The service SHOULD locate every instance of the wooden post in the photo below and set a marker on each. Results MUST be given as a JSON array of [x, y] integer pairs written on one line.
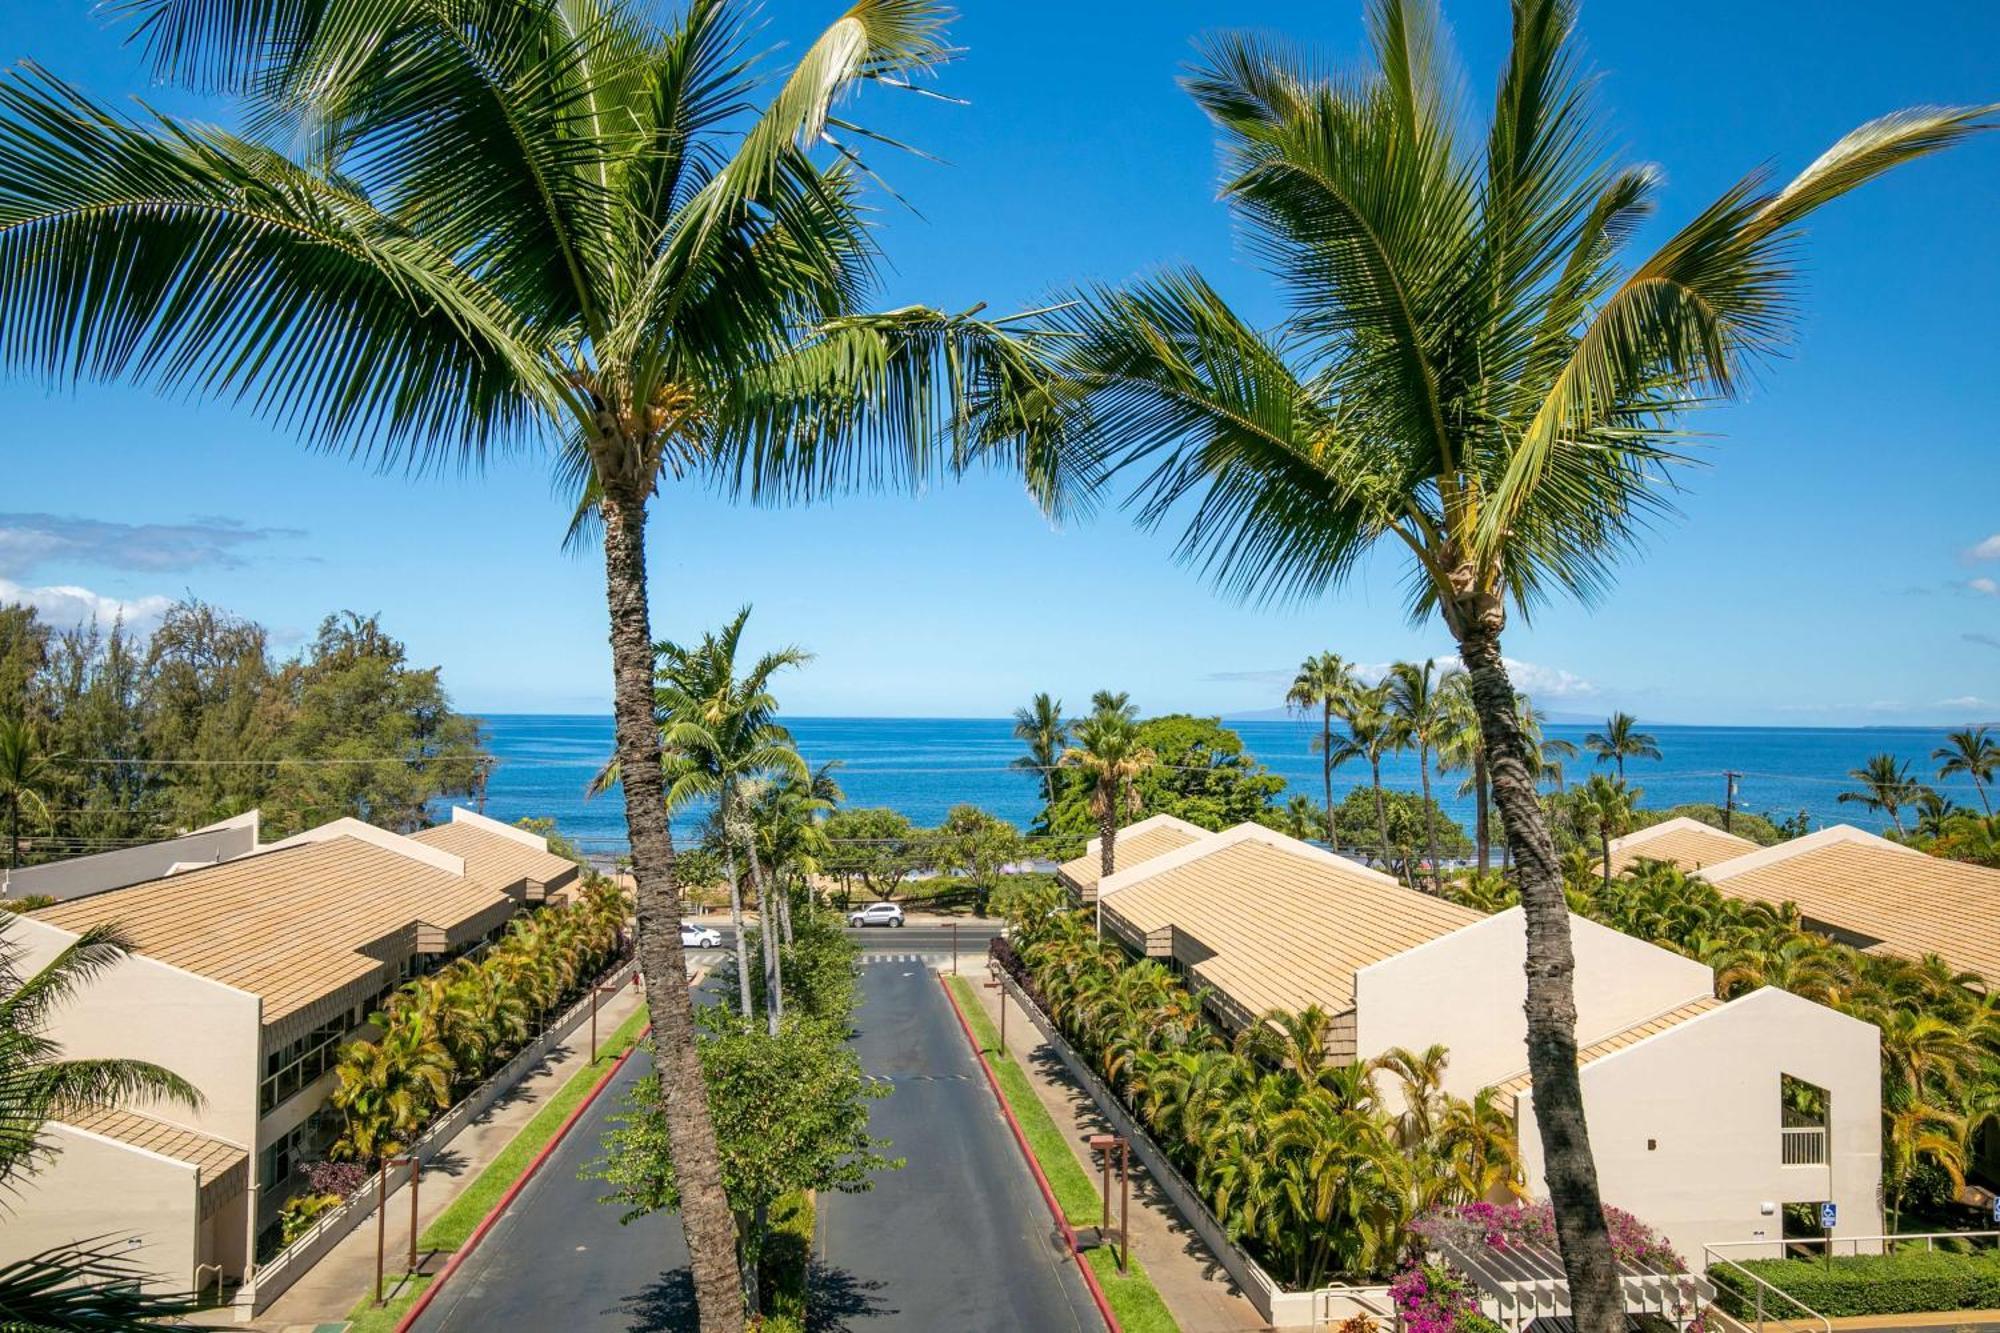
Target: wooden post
[[1124, 1206], [1102, 1144], [593, 1024], [416, 1174], [954, 948], [381, 1224]]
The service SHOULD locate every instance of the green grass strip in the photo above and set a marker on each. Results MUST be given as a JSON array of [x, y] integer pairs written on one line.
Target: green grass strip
[[455, 1225], [1133, 1298]]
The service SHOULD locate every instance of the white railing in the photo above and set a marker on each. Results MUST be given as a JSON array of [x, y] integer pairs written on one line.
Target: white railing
[[1802, 1146], [1712, 1260], [1855, 1245]]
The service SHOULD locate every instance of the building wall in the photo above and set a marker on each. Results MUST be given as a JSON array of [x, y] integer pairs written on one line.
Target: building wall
[[1685, 1125], [95, 1187], [80, 875], [1467, 990]]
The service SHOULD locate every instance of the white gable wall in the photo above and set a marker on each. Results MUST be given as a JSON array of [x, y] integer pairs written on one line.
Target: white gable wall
[[1467, 990], [1704, 1095]]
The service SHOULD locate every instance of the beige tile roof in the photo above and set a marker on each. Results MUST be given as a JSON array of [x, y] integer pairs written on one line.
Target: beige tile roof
[[1857, 884], [316, 922], [223, 1166], [1687, 843], [1618, 1041], [496, 860], [1084, 872], [1275, 927]]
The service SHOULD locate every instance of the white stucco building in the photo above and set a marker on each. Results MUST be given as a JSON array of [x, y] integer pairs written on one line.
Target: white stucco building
[[1684, 1094]]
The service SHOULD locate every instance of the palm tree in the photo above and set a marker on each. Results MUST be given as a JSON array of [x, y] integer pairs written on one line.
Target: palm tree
[[1971, 752], [1114, 701], [1465, 372], [1620, 740], [1886, 785], [36, 1083], [1608, 804], [577, 225], [1041, 727], [1323, 681], [1461, 746], [1108, 752], [1421, 713], [1372, 733], [26, 776], [387, 1089]]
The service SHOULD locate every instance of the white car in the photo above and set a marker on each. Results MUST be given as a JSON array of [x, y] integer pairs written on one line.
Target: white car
[[699, 937], [877, 914]]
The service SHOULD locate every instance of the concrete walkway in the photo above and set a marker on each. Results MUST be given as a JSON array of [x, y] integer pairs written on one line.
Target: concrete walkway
[[337, 1283], [1194, 1286]]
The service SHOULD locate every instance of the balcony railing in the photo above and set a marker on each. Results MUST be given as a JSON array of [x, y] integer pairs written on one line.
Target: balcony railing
[[1802, 1146]]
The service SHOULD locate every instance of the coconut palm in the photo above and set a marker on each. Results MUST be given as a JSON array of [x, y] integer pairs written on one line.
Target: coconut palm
[[1620, 740], [582, 226], [388, 1089], [1106, 749], [1114, 701], [1886, 785], [1461, 746], [1418, 704], [37, 1084], [1607, 804], [27, 776], [1372, 734], [1323, 682], [1041, 727], [1974, 753], [1465, 372]]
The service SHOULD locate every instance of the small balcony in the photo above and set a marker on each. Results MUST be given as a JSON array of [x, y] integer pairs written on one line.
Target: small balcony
[[1802, 1145]]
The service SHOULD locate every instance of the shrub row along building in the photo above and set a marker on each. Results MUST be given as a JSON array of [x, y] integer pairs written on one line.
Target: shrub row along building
[[248, 973], [1706, 1118]]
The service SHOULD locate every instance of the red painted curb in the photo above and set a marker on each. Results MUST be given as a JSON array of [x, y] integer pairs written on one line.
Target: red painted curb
[[411, 1315], [1021, 1141]]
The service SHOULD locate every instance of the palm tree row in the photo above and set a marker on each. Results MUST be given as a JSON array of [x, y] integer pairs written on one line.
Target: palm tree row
[[1296, 1154], [439, 1035]]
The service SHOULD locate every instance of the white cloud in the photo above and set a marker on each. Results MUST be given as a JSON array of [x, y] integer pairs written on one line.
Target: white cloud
[[1543, 682], [1964, 701], [1984, 586], [1986, 550], [66, 606], [29, 540]]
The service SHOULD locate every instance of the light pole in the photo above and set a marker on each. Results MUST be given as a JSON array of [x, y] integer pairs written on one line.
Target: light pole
[[596, 991], [416, 1174]]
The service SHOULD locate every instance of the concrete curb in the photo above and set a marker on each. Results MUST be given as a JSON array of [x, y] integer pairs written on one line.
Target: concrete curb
[[1021, 1142]]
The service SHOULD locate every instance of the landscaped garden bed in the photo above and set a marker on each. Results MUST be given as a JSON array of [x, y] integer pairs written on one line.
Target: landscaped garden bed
[[1907, 1282]]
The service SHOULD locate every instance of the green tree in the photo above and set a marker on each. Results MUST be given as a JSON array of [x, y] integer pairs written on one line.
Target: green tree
[[1606, 806], [1465, 372], [1323, 683], [1620, 740], [1108, 752], [590, 227], [977, 845], [27, 774], [1886, 785], [1042, 728], [1974, 753], [1410, 824], [873, 844], [1421, 711], [1372, 734]]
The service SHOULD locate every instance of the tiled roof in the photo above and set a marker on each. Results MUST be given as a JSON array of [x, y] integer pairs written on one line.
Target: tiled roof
[[496, 860], [1274, 924], [1890, 898], [1687, 843], [218, 1162], [1618, 1041], [317, 921], [1139, 843]]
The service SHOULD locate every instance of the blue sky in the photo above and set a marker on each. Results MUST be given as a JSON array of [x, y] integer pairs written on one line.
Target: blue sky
[[1827, 569]]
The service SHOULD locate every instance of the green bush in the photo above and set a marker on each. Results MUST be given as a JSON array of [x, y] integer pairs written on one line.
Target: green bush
[[1908, 1282], [781, 1268]]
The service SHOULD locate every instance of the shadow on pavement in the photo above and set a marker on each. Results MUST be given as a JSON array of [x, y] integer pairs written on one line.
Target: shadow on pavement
[[667, 1304], [837, 1296]]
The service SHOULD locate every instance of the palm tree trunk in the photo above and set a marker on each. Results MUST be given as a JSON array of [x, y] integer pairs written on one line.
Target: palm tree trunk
[[13, 833], [1571, 1172], [1381, 811], [1430, 820], [1481, 831], [767, 936], [1107, 836], [1326, 770], [706, 1220], [1604, 845], [785, 911], [736, 924]]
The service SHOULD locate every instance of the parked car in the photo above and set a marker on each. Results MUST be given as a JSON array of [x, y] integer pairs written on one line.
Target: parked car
[[877, 914], [700, 937]]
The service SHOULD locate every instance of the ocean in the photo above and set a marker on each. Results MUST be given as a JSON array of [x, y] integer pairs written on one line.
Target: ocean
[[924, 766]]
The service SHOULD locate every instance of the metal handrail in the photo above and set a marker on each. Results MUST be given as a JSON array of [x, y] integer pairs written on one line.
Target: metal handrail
[[1712, 1259], [1929, 1238]]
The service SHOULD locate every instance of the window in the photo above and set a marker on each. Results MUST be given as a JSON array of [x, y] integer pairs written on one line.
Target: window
[[292, 1066], [281, 1158], [1804, 1115]]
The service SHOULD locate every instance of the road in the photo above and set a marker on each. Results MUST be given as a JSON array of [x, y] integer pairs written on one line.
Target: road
[[957, 1239], [960, 1237], [924, 938]]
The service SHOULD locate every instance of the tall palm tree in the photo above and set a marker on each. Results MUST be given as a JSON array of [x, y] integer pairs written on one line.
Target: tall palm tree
[[1420, 709], [1372, 733], [1620, 740], [1607, 803], [1465, 372], [1042, 728], [1323, 681], [575, 224], [1974, 753], [1114, 701], [27, 775], [1106, 749], [1461, 746], [1886, 785]]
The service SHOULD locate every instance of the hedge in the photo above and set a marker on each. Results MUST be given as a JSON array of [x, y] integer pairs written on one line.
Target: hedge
[[1907, 1282]]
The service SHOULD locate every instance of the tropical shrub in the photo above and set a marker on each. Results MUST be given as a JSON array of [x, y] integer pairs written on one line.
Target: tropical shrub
[[301, 1211], [1437, 1298], [1906, 1282]]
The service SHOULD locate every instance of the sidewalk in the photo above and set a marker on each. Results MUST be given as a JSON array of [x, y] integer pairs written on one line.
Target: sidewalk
[[337, 1283], [1186, 1274]]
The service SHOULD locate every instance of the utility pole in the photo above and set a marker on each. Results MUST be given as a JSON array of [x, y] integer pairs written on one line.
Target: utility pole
[[1729, 776]]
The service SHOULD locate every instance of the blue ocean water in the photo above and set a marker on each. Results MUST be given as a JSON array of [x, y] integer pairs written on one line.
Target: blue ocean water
[[924, 766]]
